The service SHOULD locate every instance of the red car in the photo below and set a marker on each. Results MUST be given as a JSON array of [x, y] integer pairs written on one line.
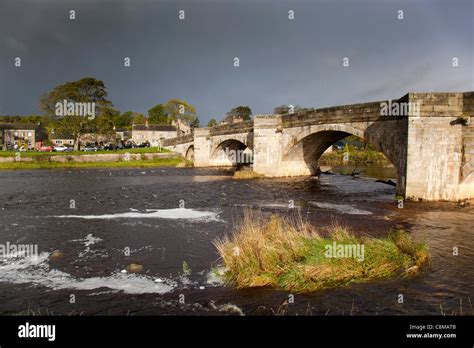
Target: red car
[[45, 148]]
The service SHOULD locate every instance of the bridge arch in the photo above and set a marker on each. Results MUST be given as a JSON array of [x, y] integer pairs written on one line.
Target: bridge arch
[[189, 154], [309, 144], [231, 152]]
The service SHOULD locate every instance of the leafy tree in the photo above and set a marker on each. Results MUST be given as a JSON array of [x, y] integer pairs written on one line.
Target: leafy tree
[[138, 118], [243, 112], [24, 119], [109, 112], [212, 122], [158, 115], [73, 125], [124, 120], [103, 125], [86, 90], [11, 119], [195, 123], [177, 109]]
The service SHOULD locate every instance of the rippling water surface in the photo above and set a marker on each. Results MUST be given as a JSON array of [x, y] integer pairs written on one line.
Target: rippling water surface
[[163, 217]]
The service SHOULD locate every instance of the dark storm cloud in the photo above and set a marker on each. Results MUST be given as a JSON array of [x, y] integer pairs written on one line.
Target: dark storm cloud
[[282, 61]]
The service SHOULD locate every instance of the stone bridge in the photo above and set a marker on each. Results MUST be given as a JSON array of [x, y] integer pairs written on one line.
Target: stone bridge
[[429, 138]]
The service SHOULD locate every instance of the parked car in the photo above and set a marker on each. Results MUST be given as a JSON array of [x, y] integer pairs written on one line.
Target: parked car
[[69, 149], [143, 145], [60, 148], [129, 145], [23, 148], [46, 148], [109, 147], [90, 148]]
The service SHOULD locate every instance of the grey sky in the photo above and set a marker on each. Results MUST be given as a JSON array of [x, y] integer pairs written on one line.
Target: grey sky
[[282, 61]]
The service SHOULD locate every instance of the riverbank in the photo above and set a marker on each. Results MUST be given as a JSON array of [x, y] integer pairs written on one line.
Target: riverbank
[[13, 154], [295, 256], [169, 161], [138, 157]]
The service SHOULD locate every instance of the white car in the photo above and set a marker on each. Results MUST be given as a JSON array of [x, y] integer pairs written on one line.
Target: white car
[[60, 148]]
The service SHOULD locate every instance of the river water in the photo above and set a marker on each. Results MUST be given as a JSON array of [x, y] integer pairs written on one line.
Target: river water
[[104, 219]]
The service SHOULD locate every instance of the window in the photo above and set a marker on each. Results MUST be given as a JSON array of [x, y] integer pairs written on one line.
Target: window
[[29, 134]]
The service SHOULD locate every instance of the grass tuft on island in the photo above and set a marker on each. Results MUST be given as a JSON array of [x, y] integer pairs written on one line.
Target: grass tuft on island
[[292, 255], [157, 162], [246, 174]]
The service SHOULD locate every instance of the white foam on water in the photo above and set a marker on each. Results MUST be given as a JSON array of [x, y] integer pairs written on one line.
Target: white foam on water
[[342, 208], [88, 241], [172, 214], [35, 270]]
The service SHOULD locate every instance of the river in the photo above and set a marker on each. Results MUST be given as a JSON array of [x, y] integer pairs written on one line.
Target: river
[[104, 219]]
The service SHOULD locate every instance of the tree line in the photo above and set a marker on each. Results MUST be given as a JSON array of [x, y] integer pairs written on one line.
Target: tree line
[[107, 118]]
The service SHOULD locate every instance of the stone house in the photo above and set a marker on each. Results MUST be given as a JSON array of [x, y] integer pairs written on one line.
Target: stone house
[[152, 133], [15, 135], [181, 127], [62, 139], [122, 134]]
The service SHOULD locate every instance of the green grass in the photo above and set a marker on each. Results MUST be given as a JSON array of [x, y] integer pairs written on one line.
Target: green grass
[[291, 255], [158, 162], [336, 157], [36, 153]]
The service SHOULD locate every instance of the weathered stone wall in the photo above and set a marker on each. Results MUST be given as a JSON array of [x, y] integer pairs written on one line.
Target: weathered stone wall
[[231, 128], [201, 147], [188, 138], [436, 140], [209, 149], [467, 171], [183, 149]]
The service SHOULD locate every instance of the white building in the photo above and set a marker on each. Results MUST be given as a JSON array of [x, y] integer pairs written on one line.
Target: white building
[[152, 133]]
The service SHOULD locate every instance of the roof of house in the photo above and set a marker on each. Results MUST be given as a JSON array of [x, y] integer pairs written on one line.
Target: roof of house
[[61, 136], [154, 127]]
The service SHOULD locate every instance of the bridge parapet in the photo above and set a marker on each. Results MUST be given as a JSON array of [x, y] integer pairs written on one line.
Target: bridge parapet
[[188, 138], [231, 128], [365, 112]]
